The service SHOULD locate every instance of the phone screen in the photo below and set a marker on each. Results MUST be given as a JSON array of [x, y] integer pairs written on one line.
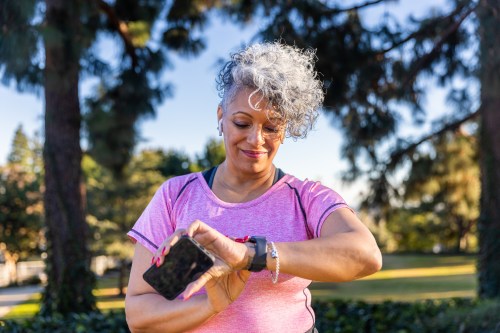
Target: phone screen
[[186, 262]]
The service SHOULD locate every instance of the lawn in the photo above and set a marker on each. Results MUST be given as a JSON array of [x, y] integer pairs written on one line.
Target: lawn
[[409, 278], [403, 278]]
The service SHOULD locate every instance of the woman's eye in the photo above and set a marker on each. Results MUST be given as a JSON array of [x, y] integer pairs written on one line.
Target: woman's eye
[[271, 129], [240, 125]]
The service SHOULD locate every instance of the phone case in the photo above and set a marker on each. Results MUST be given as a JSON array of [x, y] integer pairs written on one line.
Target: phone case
[[185, 263]]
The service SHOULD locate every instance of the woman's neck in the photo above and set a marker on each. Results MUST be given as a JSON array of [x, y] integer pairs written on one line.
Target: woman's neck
[[230, 186]]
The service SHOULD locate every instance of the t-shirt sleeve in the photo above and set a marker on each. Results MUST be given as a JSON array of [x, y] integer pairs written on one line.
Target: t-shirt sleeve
[[319, 202], [155, 223]]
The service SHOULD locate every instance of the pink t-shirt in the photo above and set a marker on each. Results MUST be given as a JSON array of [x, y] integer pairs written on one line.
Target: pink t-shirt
[[291, 210]]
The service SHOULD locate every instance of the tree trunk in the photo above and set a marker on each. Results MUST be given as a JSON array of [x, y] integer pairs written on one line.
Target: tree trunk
[[489, 220], [121, 278], [70, 280], [460, 234]]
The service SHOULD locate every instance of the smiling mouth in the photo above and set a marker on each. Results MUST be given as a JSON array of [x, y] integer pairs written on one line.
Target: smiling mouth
[[254, 154]]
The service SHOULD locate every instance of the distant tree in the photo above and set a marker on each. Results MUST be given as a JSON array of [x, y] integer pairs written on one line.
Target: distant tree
[[21, 202], [174, 163], [51, 46], [214, 153], [114, 207], [444, 184], [371, 70]]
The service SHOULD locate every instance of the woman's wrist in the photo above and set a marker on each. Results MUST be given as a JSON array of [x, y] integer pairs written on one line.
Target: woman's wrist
[[246, 261]]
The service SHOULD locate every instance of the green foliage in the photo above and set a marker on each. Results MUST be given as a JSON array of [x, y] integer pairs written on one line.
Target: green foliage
[[112, 115], [455, 315], [443, 191], [93, 322], [414, 230], [21, 211], [19, 49], [114, 205], [174, 163], [21, 200], [213, 154]]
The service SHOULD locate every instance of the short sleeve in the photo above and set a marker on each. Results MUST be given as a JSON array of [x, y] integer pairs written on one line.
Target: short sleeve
[[155, 223], [319, 202]]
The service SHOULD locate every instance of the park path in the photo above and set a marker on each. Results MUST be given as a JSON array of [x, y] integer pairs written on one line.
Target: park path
[[10, 297]]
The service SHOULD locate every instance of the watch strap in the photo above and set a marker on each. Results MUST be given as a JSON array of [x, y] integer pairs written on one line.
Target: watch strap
[[259, 261]]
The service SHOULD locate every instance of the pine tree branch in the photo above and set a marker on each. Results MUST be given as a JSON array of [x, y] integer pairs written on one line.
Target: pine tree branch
[[417, 33], [333, 11], [122, 29], [398, 155], [438, 45], [357, 7]]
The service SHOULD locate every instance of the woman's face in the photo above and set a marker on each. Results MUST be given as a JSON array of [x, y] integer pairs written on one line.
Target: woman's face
[[251, 137]]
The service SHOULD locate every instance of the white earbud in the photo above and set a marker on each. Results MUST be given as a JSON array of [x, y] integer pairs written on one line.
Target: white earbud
[[220, 127]]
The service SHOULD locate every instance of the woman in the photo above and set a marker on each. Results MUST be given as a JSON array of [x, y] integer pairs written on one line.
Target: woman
[[305, 230]]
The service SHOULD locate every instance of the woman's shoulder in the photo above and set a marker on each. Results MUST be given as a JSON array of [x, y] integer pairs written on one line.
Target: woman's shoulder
[[314, 191], [304, 184], [176, 183]]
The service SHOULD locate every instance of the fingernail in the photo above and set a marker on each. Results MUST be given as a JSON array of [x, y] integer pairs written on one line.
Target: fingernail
[[163, 250], [158, 262], [152, 260]]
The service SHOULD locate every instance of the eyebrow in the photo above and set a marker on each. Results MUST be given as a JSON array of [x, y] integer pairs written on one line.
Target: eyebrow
[[250, 116]]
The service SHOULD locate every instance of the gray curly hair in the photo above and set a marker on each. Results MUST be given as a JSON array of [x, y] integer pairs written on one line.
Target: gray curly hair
[[282, 74]]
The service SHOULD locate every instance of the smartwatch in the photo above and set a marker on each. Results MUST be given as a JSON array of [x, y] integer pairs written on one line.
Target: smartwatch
[[259, 261]]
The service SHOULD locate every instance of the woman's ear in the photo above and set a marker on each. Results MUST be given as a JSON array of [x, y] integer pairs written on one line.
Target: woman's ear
[[220, 112]]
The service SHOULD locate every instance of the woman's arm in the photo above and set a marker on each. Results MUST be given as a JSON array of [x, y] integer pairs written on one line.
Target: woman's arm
[[345, 251], [147, 311]]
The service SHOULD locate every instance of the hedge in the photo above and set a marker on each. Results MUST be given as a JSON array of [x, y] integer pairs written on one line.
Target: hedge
[[432, 316]]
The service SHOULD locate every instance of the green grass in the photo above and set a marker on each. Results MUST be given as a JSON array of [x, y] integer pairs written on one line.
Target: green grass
[[106, 295], [403, 278], [408, 278]]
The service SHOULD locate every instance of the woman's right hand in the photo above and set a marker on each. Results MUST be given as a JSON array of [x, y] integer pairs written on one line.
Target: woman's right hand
[[224, 290]]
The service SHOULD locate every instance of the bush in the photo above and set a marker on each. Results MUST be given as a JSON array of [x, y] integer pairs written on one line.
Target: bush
[[95, 322], [430, 316], [484, 317]]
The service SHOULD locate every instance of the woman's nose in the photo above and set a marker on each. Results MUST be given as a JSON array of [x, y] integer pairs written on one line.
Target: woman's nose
[[256, 136]]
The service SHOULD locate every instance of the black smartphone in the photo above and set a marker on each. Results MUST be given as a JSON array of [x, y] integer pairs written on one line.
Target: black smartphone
[[185, 263]]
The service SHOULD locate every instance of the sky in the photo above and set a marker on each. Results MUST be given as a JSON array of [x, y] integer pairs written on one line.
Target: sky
[[188, 120]]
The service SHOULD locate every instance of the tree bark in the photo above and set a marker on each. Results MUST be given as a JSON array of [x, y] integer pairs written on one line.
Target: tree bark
[[70, 280], [489, 220], [122, 276]]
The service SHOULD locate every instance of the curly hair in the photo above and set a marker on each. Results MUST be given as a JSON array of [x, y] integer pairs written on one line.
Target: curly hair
[[284, 75]]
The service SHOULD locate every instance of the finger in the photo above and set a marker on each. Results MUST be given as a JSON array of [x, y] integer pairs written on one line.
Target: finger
[[165, 247], [195, 286], [195, 227], [206, 235]]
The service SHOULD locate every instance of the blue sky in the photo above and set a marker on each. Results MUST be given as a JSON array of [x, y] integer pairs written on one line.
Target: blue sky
[[186, 121]]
